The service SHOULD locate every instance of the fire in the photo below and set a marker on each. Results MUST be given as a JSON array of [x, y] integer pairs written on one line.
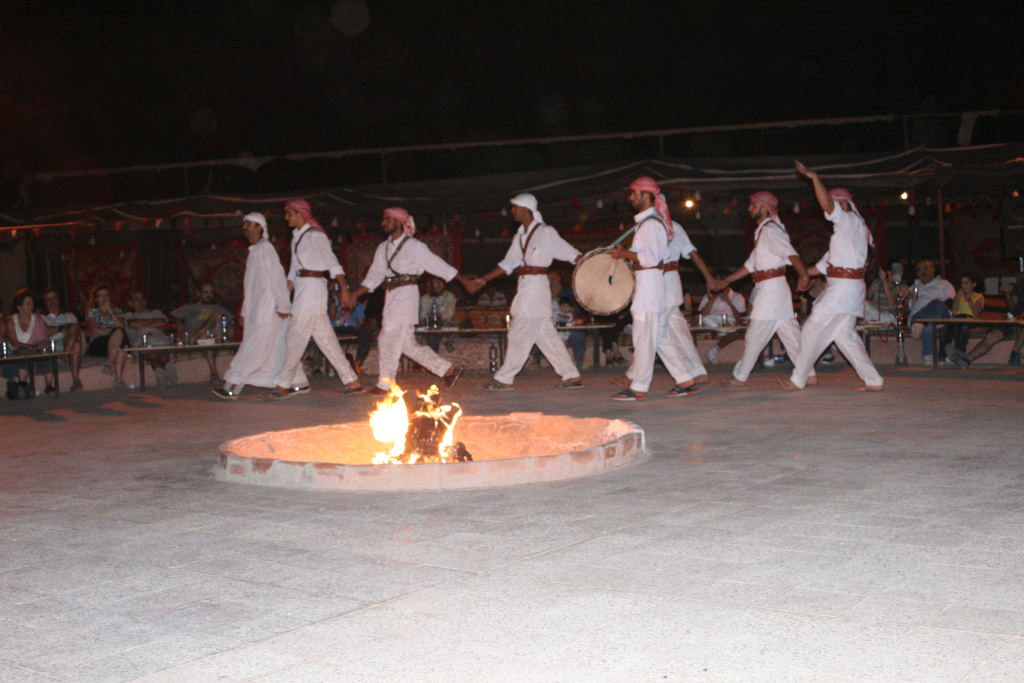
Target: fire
[[432, 437]]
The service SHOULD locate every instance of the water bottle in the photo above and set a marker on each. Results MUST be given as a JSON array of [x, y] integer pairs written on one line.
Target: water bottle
[[145, 338], [434, 321], [173, 339], [5, 349], [223, 328], [493, 355]]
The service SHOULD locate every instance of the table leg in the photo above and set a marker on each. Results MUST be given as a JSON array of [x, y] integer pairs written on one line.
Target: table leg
[[935, 346], [142, 371], [32, 377], [596, 334], [502, 343], [56, 377]]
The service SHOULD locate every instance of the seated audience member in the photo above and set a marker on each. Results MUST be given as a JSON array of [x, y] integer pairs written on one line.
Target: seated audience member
[[105, 335], [202, 319], [351, 321], [968, 303], [492, 297], [930, 297], [437, 295], [65, 332], [880, 304], [724, 307], [142, 319], [27, 333], [1014, 292]]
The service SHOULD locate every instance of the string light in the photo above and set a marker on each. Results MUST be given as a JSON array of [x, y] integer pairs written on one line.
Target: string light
[[689, 203], [904, 195]]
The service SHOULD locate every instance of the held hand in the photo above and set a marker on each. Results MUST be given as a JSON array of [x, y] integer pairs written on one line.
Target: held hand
[[803, 283], [618, 251], [282, 316]]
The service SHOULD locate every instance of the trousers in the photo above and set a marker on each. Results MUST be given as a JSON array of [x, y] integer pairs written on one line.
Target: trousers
[[300, 330], [759, 333], [396, 340], [523, 333], [820, 331]]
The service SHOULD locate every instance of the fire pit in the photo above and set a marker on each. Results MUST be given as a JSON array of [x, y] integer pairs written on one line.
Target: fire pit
[[503, 450]]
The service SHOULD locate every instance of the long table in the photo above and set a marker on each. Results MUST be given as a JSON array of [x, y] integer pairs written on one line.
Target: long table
[[972, 322], [501, 335], [32, 359]]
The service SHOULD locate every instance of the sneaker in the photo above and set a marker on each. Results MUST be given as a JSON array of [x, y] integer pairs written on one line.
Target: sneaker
[[275, 395], [453, 375], [77, 385], [569, 384], [495, 385], [628, 395], [1014, 358], [161, 377], [50, 390], [682, 391], [299, 390], [120, 384], [170, 374], [713, 355], [108, 369], [926, 361], [222, 393], [957, 356], [349, 391]]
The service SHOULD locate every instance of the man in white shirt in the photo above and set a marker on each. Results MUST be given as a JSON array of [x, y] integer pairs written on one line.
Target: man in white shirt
[[264, 313], [534, 246], [65, 332], [313, 262], [648, 252], [772, 312], [835, 313], [679, 335], [930, 296], [397, 264], [724, 307]]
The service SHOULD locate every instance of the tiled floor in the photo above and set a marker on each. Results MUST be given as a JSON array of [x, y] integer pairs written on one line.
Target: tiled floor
[[822, 536]]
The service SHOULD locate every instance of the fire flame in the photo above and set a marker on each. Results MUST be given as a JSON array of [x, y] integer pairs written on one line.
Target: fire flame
[[390, 423]]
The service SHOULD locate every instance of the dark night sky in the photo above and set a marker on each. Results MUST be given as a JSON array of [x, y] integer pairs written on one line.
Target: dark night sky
[[88, 84]]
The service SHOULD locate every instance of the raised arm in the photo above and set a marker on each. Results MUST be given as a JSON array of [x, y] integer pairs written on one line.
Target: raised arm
[[820, 193]]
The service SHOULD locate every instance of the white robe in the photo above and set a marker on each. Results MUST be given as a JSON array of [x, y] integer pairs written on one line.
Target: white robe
[[650, 316], [531, 307], [680, 341], [265, 294], [401, 305]]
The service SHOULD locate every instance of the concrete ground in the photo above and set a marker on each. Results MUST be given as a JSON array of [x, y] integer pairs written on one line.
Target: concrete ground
[[818, 536]]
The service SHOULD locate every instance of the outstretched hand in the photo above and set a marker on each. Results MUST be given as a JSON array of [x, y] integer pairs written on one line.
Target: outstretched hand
[[803, 170]]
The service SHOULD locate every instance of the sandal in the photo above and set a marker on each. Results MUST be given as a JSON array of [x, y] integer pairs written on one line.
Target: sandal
[[628, 395]]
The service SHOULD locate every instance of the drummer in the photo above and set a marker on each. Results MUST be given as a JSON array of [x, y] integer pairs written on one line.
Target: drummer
[[654, 231], [534, 246]]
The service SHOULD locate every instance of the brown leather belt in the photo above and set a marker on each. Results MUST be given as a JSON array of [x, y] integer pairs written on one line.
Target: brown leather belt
[[400, 281], [762, 275], [670, 266], [314, 273], [530, 270], [848, 273]]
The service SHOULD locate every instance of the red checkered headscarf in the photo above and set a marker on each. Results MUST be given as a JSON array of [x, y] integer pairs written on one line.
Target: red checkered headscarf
[[403, 217], [647, 184], [766, 200], [302, 207]]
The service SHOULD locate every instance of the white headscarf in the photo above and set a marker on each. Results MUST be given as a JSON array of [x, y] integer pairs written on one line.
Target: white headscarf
[[527, 201], [260, 219]]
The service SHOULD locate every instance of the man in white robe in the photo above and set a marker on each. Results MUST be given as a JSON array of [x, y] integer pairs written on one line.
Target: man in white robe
[[649, 251], [313, 263], [265, 308], [397, 264], [772, 312], [534, 247], [835, 313]]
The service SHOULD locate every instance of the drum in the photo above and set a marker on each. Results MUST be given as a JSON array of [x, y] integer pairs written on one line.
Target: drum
[[601, 284]]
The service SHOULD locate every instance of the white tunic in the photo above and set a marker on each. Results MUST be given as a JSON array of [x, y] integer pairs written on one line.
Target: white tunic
[[847, 248], [772, 249], [543, 245], [650, 243], [402, 304], [311, 250], [265, 294], [679, 246]]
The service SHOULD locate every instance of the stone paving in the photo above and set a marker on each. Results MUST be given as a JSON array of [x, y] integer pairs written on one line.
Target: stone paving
[[818, 536]]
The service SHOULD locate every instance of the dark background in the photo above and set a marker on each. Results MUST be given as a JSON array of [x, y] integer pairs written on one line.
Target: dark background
[[91, 84]]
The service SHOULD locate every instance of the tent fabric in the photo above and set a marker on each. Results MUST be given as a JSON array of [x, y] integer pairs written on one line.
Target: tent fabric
[[960, 172]]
